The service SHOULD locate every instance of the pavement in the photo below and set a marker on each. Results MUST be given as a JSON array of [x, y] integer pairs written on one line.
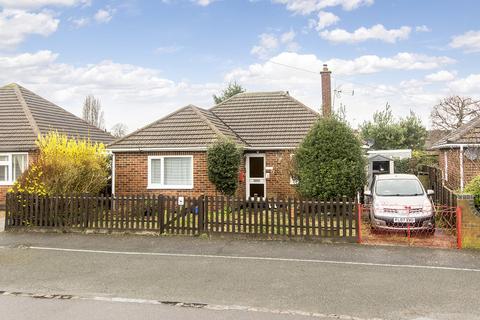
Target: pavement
[[77, 276]]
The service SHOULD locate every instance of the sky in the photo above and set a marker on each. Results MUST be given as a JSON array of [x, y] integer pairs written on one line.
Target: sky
[[145, 59]]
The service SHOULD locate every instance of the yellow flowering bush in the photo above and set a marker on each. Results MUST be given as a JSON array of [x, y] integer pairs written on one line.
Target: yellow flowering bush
[[66, 166]]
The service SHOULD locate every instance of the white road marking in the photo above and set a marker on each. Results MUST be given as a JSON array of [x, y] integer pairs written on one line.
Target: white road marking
[[252, 258], [213, 307]]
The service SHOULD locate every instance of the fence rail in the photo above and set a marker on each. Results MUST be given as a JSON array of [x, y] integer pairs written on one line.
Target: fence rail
[[334, 218]]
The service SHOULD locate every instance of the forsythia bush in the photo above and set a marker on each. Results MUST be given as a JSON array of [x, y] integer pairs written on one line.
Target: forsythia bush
[[64, 166]]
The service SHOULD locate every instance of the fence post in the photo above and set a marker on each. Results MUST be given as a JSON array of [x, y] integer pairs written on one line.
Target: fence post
[[459, 228], [201, 213], [7, 209], [359, 222]]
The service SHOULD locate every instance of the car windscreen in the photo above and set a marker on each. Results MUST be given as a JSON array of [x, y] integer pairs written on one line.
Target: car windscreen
[[398, 187]]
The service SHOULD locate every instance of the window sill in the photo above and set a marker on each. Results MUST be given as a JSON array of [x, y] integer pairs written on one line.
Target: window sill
[[6, 183], [160, 187]]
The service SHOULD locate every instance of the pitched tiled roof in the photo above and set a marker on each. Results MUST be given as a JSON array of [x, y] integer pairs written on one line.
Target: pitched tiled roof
[[189, 127], [255, 120], [267, 119], [24, 115], [469, 133]]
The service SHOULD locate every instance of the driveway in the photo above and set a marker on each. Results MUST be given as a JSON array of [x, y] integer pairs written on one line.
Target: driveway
[[254, 279]]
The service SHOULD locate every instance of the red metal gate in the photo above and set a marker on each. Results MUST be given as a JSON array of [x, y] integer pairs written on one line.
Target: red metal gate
[[405, 225]]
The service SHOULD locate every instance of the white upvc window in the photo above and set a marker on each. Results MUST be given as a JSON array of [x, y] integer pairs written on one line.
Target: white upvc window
[[12, 165], [170, 172]]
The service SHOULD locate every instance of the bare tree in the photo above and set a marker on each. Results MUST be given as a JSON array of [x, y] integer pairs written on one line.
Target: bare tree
[[454, 111], [92, 112], [119, 130]]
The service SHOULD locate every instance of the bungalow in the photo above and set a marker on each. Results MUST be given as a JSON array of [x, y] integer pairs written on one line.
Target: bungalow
[[169, 156], [459, 155], [23, 117]]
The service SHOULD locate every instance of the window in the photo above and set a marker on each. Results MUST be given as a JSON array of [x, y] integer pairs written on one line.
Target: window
[[170, 172], [12, 166], [400, 187]]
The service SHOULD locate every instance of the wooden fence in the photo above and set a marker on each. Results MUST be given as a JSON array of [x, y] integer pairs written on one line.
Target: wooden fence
[[287, 218], [443, 195]]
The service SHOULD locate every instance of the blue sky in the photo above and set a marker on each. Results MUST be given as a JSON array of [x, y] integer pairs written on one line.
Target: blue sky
[[144, 59]]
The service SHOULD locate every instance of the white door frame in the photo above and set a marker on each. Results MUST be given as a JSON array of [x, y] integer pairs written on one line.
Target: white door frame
[[255, 180]]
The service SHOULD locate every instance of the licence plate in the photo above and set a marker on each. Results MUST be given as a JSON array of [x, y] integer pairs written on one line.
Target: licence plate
[[404, 220]]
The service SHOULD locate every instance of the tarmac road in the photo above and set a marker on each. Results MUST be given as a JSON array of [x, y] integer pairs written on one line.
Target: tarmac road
[[253, 279]]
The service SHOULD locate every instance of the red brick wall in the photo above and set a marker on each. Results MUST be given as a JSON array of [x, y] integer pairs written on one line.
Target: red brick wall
[[131, 175], [471, 168], [32, 156], [278, 185]]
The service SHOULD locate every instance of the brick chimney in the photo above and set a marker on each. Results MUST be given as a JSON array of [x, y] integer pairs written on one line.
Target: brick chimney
[[326, 91]]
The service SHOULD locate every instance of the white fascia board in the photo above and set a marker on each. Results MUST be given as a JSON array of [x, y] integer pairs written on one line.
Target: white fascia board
[[456, 145]]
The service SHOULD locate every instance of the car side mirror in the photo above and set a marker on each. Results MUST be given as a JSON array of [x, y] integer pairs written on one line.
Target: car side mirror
[[430, 192], [368, 193]]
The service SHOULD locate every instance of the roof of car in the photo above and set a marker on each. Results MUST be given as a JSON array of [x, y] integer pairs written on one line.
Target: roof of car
[[395, 176]]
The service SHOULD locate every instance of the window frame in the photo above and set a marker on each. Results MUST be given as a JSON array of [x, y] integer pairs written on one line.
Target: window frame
[[161, 185], [9, 164]]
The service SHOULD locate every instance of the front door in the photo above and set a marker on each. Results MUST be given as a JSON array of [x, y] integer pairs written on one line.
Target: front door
[[255, 177]]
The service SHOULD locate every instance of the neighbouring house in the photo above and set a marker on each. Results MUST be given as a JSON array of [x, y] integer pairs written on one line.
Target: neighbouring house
[[459, 155], [169, 156], [23, 117]]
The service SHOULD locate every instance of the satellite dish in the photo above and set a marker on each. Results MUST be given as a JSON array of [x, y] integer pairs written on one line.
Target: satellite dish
[[370, 142], [472, 153]]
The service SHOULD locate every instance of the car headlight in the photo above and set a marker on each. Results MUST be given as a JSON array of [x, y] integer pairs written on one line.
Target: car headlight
[[427, 206]]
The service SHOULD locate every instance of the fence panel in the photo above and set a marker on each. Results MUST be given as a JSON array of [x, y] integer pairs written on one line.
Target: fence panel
[[334, 218]]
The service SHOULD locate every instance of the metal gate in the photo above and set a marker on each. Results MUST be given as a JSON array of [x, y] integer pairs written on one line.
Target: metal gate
[[406, 225]]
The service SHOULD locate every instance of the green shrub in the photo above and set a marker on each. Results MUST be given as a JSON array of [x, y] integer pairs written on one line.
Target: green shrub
[[330, 161], [473, 187], [223, 165]]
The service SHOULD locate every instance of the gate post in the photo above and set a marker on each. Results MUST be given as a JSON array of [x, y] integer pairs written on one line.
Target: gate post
[[459, 228], [359, 222]]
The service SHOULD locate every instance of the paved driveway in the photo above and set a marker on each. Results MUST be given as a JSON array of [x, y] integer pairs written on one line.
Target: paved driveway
[[269, 278]]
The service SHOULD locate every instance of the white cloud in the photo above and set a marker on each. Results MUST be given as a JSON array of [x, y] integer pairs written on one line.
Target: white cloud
[[325, 19], [27, 60], [35, 4], [104, 15], [271, 43], [469, 41], [16, 25], [129, 93], [268, 44], [80, 22], [440, 76], [309, 6], [469, 85], [366, 64], [377, 32], [422, 28], [203, 3], [288, 36]]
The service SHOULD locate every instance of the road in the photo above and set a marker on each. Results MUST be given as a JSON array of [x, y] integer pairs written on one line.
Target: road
[[110, 275]]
